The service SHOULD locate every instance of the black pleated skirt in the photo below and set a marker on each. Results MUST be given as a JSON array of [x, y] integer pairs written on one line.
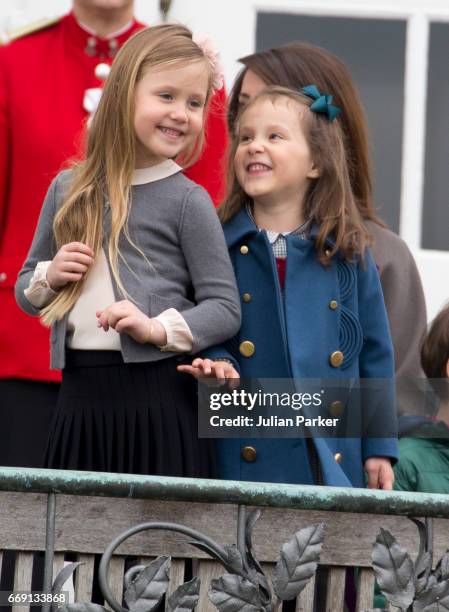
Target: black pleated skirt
[[138, 418]]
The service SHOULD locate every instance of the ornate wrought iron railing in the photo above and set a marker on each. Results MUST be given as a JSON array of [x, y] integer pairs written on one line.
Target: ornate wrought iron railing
[[82, 513]]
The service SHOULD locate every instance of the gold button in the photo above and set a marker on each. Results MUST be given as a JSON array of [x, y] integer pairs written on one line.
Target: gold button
[[249, 453], [247, 348], [336, 408], [244, 250], [333, 304], [336, 359], [246, 297], [338, 457]]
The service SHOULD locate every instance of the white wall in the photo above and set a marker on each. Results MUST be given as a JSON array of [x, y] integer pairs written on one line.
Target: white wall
[[231, 23]]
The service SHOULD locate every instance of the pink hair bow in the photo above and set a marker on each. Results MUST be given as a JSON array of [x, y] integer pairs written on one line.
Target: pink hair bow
[[207, 47]]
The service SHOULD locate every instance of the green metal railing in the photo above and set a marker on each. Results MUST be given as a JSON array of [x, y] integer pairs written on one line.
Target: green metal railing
[[52, 482], [224, 491]]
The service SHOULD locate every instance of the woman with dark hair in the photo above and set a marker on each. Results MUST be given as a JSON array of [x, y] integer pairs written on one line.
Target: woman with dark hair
[[300, 64]]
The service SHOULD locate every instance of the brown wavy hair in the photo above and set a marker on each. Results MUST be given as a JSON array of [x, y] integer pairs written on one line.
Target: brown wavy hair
[[329, 202], [435, 354], [107, 168], [297, 65]]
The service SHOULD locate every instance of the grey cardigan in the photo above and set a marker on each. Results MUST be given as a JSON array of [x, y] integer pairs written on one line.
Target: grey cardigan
[[173, 222]]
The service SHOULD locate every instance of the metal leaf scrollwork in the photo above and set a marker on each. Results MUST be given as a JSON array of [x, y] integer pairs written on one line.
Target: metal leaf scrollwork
[[63, 576], [243, 589], [149, 586], [246, 585], [185, 597], [411, 587], [394, 570], [230, 556], [59, 582], [232, 593], [423, 562], [442, 569], [298, 562], [255, 570], [248, 588], [433, 599], [234, 558]]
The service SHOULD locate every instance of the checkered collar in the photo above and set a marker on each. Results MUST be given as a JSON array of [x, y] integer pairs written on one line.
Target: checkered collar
[[302, 230]]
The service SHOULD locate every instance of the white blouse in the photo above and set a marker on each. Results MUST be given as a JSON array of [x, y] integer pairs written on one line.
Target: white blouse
[[97, 294]]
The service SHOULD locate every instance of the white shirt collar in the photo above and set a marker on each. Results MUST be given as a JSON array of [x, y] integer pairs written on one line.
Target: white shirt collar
[[167, 168], [115, 34], [273, 236]]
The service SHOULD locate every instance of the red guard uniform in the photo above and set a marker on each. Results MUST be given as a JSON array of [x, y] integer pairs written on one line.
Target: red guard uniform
[[43, 79]]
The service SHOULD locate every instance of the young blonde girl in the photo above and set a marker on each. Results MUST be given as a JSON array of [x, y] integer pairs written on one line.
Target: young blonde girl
[[312, 306], [129, 267]]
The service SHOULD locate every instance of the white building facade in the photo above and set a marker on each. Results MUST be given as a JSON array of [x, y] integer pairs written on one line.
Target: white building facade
[[398, 53]]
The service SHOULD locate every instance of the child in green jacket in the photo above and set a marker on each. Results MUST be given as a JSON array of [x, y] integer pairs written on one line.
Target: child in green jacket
[[424, 441]]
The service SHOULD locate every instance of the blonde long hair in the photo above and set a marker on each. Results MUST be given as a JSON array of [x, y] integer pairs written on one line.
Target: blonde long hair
[[329, 201], [106, 171]]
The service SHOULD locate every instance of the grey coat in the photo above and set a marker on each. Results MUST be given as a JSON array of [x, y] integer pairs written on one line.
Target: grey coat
[[173, 222], [406, 310]]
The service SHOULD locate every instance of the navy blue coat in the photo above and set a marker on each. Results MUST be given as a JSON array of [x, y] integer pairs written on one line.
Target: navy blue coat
[[323, 309]]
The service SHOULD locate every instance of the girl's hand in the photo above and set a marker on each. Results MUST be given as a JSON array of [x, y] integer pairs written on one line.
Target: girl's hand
[[69, 264], [206, 368], [126, 318], [380, 473]]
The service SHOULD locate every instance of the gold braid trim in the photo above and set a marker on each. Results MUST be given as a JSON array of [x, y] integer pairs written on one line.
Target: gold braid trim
[[29, 28]]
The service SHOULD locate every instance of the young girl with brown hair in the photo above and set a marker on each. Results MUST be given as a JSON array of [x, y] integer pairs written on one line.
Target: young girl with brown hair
[[120, 249], [296, 65], [312, 306]]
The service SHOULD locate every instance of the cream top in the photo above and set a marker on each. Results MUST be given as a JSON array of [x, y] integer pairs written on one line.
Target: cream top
[[97, 293]]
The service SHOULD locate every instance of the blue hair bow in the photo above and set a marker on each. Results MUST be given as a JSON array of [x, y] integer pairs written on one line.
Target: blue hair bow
[[323, 102]]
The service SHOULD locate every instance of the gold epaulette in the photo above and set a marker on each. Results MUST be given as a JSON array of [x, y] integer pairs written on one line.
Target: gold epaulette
[[29, 28]]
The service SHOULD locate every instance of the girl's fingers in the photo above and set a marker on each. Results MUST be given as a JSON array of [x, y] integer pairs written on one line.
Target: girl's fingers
[[73, 266], [220, 373], [387, 484], [104, 325], [78, 258], [196, 363], [386, 478], [123, 324], [232, 377], [373, 482], [232, 373], [79, 247], [112, 315], [233, 382], [117, 320], [71, 277], [207, 367], [188, 369], [103, 319]]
